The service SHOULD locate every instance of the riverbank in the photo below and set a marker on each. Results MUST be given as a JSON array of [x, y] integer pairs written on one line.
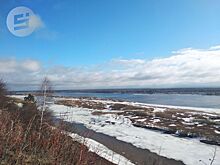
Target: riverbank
[[115, 119], [176, 121], [26, 139], [134, 154], [111, 118]]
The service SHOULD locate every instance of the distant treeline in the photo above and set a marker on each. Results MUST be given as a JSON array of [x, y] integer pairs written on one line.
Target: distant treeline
[[200, 91]]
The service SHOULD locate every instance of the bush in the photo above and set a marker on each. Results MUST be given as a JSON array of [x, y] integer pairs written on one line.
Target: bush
[[21, 143], [23, 140], [29, 98]]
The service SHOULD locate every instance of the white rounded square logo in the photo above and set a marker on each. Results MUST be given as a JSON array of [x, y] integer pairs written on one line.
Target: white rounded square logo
[[18, 21]]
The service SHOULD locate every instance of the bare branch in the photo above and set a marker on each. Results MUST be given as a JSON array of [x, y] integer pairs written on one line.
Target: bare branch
[[214, 155]]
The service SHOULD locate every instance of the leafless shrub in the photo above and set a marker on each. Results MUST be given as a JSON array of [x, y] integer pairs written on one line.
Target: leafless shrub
[[46, 91], [214, 155], [3, 98], [20, 143], [2, 89]]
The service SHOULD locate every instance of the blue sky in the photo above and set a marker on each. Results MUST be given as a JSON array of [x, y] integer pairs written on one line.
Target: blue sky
[[82, 33]]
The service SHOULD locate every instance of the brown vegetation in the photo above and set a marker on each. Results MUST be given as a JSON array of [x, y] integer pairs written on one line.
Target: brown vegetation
[[82, 104], [23, 141], [182, 123]]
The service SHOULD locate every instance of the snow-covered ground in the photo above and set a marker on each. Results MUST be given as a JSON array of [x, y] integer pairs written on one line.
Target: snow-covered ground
[[158, 107], [17, 96], [101, 150], [94, 146], [162, 107], [190, 151]]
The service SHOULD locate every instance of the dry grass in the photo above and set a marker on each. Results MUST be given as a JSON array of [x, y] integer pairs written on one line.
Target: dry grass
[[171, 121], [82, 104], [23, 141], [20, 142], [99, 113]]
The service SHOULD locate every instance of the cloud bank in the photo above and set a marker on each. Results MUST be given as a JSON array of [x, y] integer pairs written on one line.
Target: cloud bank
[[183, 68]]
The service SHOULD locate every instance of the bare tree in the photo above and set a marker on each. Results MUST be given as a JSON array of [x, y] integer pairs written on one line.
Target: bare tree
[[3, 92], [46, 92], [2, 88]]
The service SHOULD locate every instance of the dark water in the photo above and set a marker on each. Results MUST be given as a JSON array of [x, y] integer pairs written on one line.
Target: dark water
[[187, 100], [136, 155]]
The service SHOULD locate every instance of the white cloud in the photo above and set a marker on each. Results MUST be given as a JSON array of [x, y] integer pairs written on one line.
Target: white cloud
[[15, 66], [36, 22], [30, 65], [43, 32], [215, 47], [186, 67], [125, 62]]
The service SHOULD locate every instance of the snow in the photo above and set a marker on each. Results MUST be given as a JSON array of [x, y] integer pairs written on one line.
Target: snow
[[187, 119], [190, 151], [156, 120], [141, 120], [216, 131], [159, 109], [212, 110], [162, 107], [18, 96], [20, 105], [186, 123], [101, 150]]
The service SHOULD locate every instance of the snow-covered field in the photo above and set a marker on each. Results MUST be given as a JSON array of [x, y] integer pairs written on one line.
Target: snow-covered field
[[93, 145], [190, 151], [162, 107], [158, 106], [17, 96]]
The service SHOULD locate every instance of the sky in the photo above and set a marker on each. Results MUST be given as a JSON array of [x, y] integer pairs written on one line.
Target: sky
[[113, 44]]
